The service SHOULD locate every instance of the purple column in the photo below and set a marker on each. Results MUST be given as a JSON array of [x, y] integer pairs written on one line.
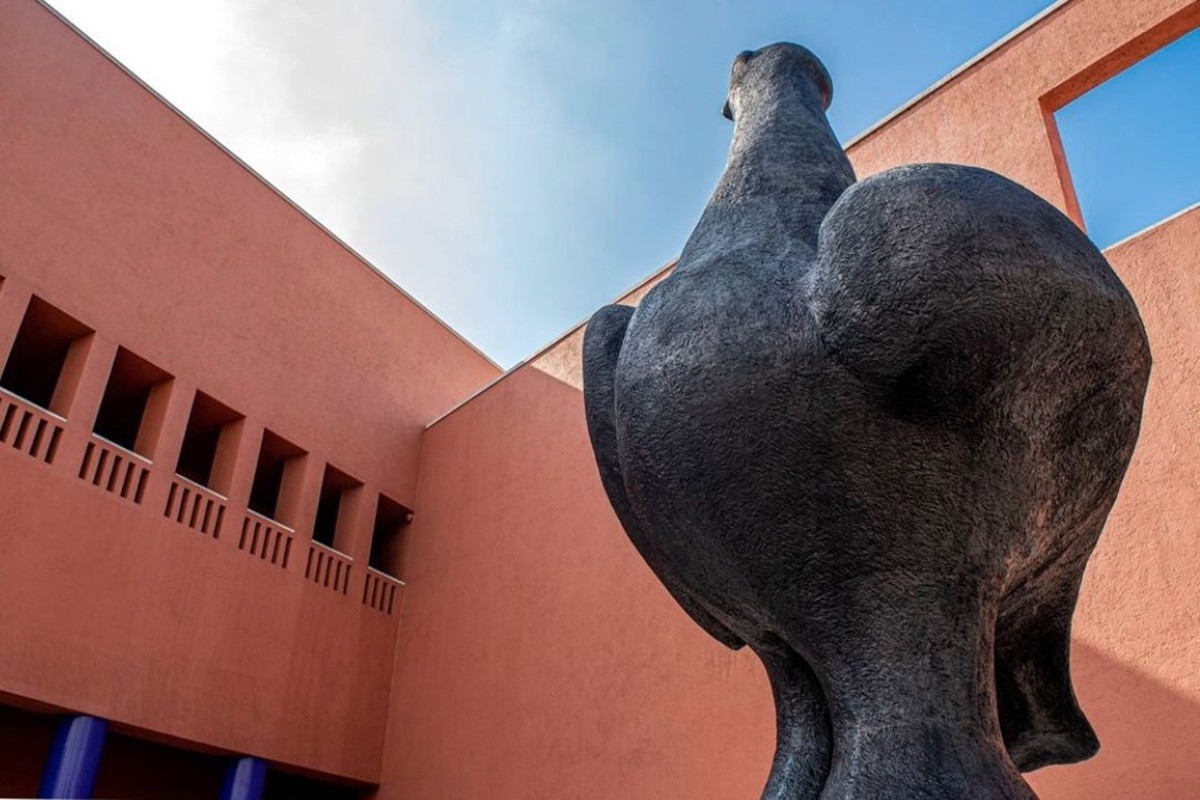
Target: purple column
[[74, 758], [245, 779]]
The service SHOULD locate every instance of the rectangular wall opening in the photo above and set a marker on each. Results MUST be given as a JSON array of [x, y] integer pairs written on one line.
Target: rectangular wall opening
[[40, 354], [277, 478], [1130, 143], [209, 443], [333, 512], [133, 403], [387, 538]]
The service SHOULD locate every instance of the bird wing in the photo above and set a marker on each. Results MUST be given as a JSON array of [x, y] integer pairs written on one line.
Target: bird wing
[[931, 280], [601, 347]]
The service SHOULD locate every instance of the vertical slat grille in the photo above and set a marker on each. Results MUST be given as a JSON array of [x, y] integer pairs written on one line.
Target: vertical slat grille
[[29, 429], [114, 470], [195, 507], [380, 591], [266, 540], [328, 568]]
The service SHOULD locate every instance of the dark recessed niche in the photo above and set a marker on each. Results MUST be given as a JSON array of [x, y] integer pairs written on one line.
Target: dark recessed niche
[[126, 414], [276, 476], [209, 443], [38, 359], [387, 538], [335, 487]]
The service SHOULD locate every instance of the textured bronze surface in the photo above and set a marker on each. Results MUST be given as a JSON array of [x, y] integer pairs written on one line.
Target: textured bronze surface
[[873, 431]]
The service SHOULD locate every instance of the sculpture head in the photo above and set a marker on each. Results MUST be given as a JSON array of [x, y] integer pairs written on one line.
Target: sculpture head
[[782, 68]]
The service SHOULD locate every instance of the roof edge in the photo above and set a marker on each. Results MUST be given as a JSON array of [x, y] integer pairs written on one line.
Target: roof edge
[[1167, 220], [548, 347], [959, 71]]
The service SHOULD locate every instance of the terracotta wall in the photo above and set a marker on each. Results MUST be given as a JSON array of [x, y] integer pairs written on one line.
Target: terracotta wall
[[540, 658], [113, 601]]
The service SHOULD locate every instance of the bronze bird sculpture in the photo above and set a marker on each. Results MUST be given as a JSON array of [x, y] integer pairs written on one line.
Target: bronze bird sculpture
[[873, 430]]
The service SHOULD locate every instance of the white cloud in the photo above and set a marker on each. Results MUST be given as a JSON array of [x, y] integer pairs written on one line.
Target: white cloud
[[210, 60], [338, 104]]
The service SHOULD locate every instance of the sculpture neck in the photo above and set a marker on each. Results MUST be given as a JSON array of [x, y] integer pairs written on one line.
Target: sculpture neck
[[785, 170]]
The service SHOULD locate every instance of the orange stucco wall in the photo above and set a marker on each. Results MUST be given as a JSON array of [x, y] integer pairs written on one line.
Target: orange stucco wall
[[121, 213], [540, 658]]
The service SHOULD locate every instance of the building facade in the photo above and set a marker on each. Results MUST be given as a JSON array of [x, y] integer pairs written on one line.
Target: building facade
[[263, 513]]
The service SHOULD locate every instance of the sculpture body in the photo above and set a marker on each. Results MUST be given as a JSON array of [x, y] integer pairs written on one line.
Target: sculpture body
[[873, 431]]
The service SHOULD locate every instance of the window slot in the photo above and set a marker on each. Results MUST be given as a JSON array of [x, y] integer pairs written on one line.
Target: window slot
[[49, 345], [134, 402], [331, 527], [387, 538], [277, 479], [209, 443]]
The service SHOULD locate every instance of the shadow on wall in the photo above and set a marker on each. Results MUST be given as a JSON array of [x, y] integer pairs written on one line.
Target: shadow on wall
[[1149, 737]]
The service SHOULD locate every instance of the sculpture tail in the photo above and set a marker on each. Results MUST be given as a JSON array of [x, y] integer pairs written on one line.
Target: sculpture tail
[[1040, 718]]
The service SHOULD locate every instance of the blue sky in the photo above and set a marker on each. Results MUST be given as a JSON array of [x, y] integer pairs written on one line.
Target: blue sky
[[515, 164], [1133, 143]]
